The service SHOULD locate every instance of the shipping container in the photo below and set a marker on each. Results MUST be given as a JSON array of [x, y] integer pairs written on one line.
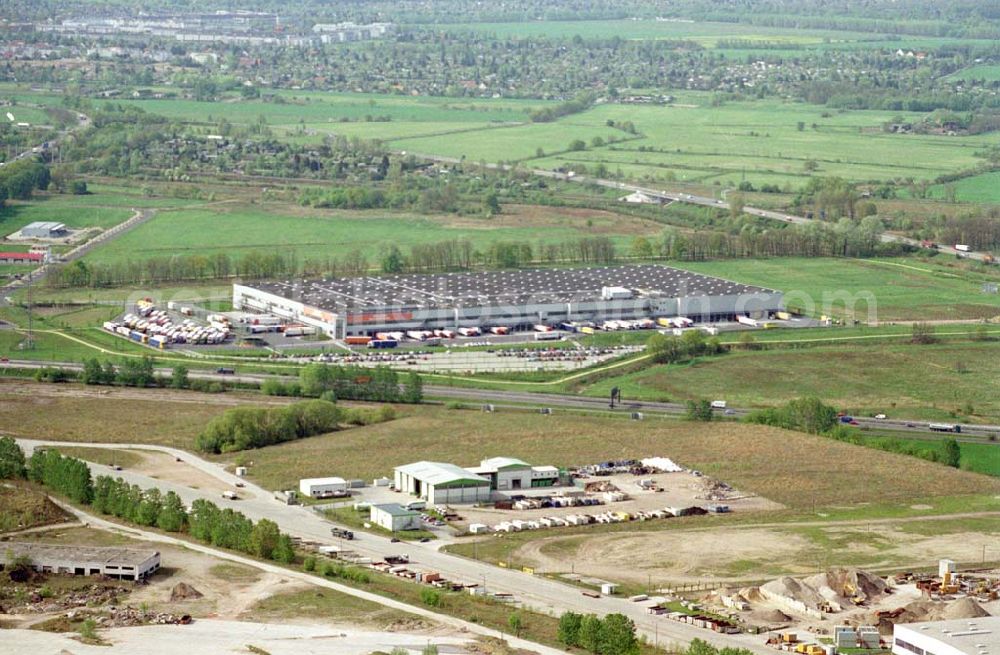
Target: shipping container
[[469, 331], [500, 329], [548, 336], [746, 320], [357, 341], [961, 247]]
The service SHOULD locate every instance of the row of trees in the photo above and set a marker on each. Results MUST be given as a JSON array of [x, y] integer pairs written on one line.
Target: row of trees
[[146, 507], [70, 477], [241, 428], [807, 414], [66, 476], [258, 264], [380, 384], [130, 373], [612, 635]]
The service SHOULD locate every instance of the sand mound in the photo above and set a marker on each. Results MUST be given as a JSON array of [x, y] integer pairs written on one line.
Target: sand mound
[[836, 586], [770, 617], [184, 591]]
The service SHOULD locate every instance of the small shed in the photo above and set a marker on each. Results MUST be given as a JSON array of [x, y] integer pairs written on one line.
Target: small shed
[[394, 517]]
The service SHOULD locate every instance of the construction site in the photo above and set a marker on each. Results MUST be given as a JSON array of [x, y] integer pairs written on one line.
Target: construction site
[[841, 608]]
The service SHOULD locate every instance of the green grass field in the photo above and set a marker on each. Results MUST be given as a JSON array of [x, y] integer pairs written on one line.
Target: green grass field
[[987, 72], [978, 457], [317, 234], [63, 210], [934, 382], [901, 289], [983, 188]]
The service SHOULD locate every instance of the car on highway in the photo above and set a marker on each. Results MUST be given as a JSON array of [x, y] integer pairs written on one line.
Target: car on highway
[[880, 417]]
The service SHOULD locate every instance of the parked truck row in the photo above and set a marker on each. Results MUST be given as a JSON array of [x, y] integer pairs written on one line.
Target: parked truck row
[[155, 327]]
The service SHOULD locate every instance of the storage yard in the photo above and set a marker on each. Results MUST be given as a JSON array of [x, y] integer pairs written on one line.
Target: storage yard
[[394, 307]]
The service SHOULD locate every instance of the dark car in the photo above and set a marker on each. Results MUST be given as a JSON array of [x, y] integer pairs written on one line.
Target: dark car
[[424, 540]]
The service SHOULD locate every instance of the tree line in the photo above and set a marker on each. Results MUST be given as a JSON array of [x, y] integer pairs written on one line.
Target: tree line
[[613, 635], [241, 428], [379, 383], [811, 415], [70, 477]]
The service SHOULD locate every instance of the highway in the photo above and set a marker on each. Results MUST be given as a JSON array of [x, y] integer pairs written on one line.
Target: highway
[[538, 593], [524, 399], [672, 196]]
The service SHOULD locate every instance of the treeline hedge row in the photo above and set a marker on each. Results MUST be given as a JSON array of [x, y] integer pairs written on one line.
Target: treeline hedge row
[[205, 521], [241, 428]]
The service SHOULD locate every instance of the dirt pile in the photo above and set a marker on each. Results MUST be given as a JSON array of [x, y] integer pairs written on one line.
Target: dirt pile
[[928, 610], [770, 617], [835, 589], [184, 591], [849, 583], [22, 600]]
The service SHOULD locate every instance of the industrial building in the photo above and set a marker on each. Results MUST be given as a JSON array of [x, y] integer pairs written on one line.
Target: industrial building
[[122, 563], [44, 230], [440, 483], [979, 636], [324, 487], [507, 473], [394, 517], [514, 299]]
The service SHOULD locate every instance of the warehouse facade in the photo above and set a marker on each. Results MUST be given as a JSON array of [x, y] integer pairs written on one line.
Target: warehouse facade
[[515, 299], [440, 484], [122, 563], [394, 517]]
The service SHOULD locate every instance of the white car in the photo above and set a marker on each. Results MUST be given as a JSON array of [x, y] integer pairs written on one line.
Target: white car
[[880, 416]]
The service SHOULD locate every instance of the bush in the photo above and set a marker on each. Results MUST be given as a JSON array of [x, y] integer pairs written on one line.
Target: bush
[[241, 428], [430, 597], [309, 563]]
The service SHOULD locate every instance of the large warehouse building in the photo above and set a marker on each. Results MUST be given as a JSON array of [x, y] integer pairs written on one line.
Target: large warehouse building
[[514, 299], [979, 636]]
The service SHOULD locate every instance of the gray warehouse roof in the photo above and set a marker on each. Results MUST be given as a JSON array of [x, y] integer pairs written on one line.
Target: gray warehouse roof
[[51, 226], [470, 289]]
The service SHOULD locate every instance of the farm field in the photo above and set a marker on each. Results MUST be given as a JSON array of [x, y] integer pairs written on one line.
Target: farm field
[[933, 382], [311, 233], [113, 415], [983, 188], [742, 455], [987, 72], [302, 108], [903, 289]]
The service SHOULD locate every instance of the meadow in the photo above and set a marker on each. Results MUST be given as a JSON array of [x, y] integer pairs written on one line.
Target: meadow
[[983, 188], [315, 233], [931, 382], [986, 72], [16, 215], [939, 288]]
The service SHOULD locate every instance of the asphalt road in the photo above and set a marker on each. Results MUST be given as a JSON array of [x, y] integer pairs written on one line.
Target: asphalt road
[[538, 593], [521, 399]]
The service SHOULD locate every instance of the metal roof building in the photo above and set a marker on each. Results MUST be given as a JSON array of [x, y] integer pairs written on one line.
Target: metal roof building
[[514, 298], [123, 563], [979, 636], [440, 483], [44, 230]]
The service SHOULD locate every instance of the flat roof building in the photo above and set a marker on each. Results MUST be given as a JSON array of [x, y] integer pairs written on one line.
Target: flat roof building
[[122, 563], [21, 258], [324, 487], [394, 517], [514, 298], [978, 636], [440, 483], [44, 230], [509, 473]]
